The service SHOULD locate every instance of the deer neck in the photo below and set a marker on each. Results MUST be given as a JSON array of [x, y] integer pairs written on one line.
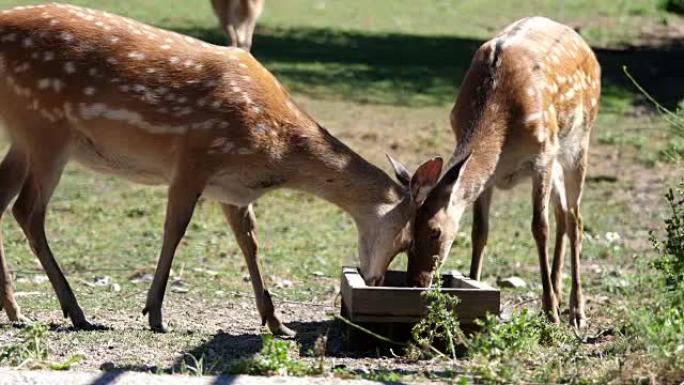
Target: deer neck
[[342, 177], [485, 144]]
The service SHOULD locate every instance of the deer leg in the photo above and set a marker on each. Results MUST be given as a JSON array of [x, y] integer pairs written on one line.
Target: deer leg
[[45, 169], [560, 210], [574, 183], [480, 232], [13, 172], [243, 223], [233, 34], [541, 189], [182, 199], [221, 11]]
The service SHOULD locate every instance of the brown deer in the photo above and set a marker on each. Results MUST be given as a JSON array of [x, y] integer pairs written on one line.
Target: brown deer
[[156, 107], [237, 19], [525, 109]]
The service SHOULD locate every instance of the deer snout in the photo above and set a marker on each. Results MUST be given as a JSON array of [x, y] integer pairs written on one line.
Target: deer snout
[[421, 279], [374, 280]]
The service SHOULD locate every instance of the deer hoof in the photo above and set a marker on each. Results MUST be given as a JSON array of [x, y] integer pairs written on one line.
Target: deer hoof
[[578, 320], [160, 328], [20, 320], [280, 330]]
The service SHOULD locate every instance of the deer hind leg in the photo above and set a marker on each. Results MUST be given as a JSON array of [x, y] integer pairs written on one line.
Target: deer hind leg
[[45, 169], [183, 195], [243, 224], [480, 231], [541, 189], [574, 183], [13, 171], [560, 206], [221, 11]]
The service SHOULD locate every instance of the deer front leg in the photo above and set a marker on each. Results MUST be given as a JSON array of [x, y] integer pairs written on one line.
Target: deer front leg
[[480, 232], [182, 198], [541, 188], [29, 211], [13, 172], [574, 183], [243, 224]]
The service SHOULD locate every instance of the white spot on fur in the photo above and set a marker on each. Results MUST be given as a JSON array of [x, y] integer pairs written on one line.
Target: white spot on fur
[[135, 55], [90, 91], [44, 83], [532, 117], [10, 37], [57, 85], [69, 67]]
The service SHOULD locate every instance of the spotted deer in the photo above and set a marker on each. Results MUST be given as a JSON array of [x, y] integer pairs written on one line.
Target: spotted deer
[[159, 108], [237, 19], [525, 109]]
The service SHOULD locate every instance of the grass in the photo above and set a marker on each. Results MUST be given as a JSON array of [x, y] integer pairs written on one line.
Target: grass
[[383, 81], [32, 351]]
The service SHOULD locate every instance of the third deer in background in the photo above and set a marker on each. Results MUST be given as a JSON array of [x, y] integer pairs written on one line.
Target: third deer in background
[[238, 19]]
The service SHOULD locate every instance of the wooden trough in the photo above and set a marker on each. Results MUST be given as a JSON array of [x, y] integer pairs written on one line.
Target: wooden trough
[[393, 309]]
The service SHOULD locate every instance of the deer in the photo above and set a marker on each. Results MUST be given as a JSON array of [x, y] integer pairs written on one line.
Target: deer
[[159, 108], [525, 109], [237, 18]]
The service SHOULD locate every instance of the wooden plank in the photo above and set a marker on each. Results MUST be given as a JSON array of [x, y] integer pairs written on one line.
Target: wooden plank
[[407, 304], [347, 294]]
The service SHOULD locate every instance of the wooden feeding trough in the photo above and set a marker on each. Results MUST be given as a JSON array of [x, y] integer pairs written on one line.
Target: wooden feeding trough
[[393, 309]]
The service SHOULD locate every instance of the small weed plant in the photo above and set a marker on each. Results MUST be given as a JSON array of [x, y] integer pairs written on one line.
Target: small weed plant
[[671, 250], [194, 366], [275, 358], [440, 326], [525, 332], [32, 351], [658, 327]]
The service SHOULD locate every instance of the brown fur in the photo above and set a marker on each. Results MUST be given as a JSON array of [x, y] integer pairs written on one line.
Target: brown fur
[[525, 109], [156, 107]]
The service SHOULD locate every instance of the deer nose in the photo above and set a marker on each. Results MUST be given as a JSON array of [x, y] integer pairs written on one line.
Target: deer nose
[[374, 280]]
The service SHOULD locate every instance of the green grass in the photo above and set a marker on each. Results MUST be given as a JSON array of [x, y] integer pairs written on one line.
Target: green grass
[[381, 76]]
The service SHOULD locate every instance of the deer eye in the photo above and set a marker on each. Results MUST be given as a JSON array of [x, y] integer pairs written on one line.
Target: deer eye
[[435, 233]]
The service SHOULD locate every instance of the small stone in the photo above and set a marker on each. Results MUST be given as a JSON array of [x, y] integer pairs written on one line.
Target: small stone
[[283, 284], [179, 288], [144, 278], [39, 278], [511, 282], [102, 281], [115, 287]]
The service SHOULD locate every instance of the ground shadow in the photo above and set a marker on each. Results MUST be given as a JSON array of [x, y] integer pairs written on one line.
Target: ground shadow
[[409, 69]]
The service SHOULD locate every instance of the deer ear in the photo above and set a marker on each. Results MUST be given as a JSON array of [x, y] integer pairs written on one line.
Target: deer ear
[[403, 175], [451, 175], [425, 178]]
